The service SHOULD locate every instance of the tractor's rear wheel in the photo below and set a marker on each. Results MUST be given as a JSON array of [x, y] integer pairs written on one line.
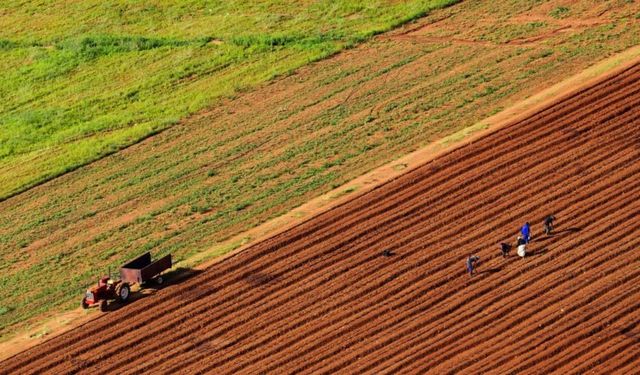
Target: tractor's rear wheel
[[103, 305], [84, 303], [123, 291], [159, 280]]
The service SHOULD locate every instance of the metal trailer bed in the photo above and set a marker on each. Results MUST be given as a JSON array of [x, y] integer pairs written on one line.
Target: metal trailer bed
[[142, 269]]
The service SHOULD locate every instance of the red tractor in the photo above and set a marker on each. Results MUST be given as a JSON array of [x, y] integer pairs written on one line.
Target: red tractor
[[107, 289], [140, 270]]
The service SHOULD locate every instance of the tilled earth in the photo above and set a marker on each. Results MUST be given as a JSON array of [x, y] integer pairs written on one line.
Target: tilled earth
[[321, 298]]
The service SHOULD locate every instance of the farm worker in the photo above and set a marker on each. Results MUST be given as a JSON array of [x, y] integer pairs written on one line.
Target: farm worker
[[522, 251], [505, 248], [548, 224], [526, 232], [472, 262]]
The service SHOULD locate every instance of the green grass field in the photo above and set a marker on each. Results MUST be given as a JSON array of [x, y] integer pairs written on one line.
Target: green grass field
[[81, 79], [257, 154]]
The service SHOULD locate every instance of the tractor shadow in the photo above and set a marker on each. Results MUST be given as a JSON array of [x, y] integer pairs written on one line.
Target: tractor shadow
[[140, 292], [179, 275]]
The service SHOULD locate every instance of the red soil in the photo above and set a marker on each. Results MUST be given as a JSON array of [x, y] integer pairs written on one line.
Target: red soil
[[321, 298]]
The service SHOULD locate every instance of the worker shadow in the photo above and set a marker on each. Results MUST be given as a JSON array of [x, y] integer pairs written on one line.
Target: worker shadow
[[490, 271], [557, 235], [566, 231], [537, 252]]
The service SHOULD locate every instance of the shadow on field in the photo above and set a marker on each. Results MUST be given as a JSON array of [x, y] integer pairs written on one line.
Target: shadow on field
[[179, 275], [557, 235], [171, 277], [567, 231], [538, 252], [491, 270]]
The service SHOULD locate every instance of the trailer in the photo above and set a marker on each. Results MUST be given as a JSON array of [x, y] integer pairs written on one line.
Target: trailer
[[140, 270]]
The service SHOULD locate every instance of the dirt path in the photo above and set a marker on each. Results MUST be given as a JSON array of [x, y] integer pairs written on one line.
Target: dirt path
[[320, 297]]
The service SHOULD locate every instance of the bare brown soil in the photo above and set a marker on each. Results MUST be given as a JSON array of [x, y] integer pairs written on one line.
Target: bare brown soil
[[321, 297]]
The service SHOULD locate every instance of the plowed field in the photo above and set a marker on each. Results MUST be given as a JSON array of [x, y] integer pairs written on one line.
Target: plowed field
[[196, 189], [321, 297]]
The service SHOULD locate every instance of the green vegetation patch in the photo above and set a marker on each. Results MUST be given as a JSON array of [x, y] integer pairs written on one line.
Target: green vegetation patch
[[80, 80], [559, 12]]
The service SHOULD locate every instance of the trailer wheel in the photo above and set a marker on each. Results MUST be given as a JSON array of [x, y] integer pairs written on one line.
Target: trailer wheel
[[103, 305], [84, 303], [123, 291], [159, 280]]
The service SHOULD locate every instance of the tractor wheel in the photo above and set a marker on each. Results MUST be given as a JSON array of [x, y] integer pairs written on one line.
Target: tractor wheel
[[159, 280], [84, 303], [103, 305], [123, 291]]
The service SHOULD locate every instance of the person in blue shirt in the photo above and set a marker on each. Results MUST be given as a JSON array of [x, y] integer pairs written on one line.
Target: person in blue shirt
[[526, 232], [472, 262]]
